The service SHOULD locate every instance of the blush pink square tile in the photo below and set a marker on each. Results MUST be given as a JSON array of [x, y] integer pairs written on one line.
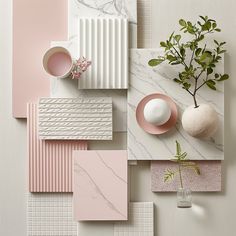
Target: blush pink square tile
[[100, 185], [35, 24], [208, 181]]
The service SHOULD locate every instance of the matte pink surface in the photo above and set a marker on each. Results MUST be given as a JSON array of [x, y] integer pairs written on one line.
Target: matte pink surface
[[208, 181], [100, 185], [35, 24], [50, 162], [59, 64], [150, 128]]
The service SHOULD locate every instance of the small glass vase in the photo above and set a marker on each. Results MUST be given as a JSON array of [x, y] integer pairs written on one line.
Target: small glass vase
[[184, 198]]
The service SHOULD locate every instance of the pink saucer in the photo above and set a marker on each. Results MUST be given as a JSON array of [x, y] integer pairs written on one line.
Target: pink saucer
[[150, 128]]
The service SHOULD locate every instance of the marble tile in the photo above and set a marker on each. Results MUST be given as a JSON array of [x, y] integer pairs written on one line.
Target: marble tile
[[100, 185], [50, 161], [141, 221], [208, 181], [75, 118], [145, 80], [50, 214], [104, 41]]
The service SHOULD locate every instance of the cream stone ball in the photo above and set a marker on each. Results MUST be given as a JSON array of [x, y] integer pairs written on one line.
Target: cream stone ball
[[200, 122], [157, 112]]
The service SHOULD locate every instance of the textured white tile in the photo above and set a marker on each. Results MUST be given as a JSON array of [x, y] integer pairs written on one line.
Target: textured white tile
[[75, 118], [50, 214], [145, 80], [140, 223], [104, 41]]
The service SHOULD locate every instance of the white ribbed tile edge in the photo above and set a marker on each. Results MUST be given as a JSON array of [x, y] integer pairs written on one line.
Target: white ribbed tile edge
[[75, 118], [50, 214], [104, 41], [140, 223]]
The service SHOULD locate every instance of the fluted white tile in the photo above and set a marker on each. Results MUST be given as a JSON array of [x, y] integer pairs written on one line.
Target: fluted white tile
[[104, 41]]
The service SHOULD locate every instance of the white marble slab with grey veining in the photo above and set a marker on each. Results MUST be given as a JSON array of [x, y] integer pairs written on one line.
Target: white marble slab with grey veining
[[145, 80]]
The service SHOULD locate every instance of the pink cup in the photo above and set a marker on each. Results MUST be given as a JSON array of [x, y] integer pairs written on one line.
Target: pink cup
[[58, 62]]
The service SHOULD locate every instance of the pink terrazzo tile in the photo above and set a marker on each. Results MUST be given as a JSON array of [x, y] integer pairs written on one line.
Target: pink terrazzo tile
[[35, 24], [100, 185], [208, 181]]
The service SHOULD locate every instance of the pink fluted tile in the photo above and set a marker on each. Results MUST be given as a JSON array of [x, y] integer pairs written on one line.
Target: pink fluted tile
[[35, 24], [208, 181], [50, 162], [100, 185]]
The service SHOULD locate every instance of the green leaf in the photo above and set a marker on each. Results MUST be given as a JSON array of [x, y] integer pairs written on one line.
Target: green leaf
[[155, 62], [177, 81], [223, 77], [182, 22], [163, 44], [217, 75], [217, 30], [216, 42], [203, 18], [178, 148], [169, 175], [171, 58], [182, 51], [177, 37], [210, 84], [198, 51], [209, 71], [186, 85]]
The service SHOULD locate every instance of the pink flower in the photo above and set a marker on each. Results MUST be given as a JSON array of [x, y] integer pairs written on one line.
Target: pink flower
[[80, 66]]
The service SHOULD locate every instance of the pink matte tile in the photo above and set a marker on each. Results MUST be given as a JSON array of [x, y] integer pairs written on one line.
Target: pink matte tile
[[50, 162], [35, 24], [100, 185], [208, 181]]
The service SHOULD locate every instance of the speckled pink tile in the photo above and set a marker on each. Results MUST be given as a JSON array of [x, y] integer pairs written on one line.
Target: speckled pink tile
[[100, 185], [208, 181]]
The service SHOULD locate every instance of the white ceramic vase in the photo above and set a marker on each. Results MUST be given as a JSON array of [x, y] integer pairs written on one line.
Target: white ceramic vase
[[200, 122]]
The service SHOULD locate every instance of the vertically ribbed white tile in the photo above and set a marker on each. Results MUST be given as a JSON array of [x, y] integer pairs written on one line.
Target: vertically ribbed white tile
[[75, 118], [50, 214], [140, 222], [104, 41]]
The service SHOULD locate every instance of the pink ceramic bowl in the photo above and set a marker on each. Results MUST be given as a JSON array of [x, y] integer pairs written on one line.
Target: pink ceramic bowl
[[150, 128], [58, 62]]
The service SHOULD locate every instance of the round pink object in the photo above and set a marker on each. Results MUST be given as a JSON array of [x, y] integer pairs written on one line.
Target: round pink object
[[150, 128]]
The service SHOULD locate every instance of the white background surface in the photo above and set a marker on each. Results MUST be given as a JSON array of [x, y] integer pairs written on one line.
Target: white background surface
[[213, 213]]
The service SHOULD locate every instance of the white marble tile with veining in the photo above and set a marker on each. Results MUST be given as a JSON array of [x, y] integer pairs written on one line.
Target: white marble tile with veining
[[145, 80]]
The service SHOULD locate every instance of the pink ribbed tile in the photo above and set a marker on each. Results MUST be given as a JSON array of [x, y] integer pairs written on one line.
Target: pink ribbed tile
[[208, 181], [50, 162], [100, 185], [35, 24]]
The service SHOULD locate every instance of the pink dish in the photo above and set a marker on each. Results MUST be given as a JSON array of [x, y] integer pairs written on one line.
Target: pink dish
[[150, 128]]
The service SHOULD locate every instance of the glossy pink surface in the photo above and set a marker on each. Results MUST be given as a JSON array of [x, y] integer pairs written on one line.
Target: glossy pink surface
[[35, 24], [150, 128]]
